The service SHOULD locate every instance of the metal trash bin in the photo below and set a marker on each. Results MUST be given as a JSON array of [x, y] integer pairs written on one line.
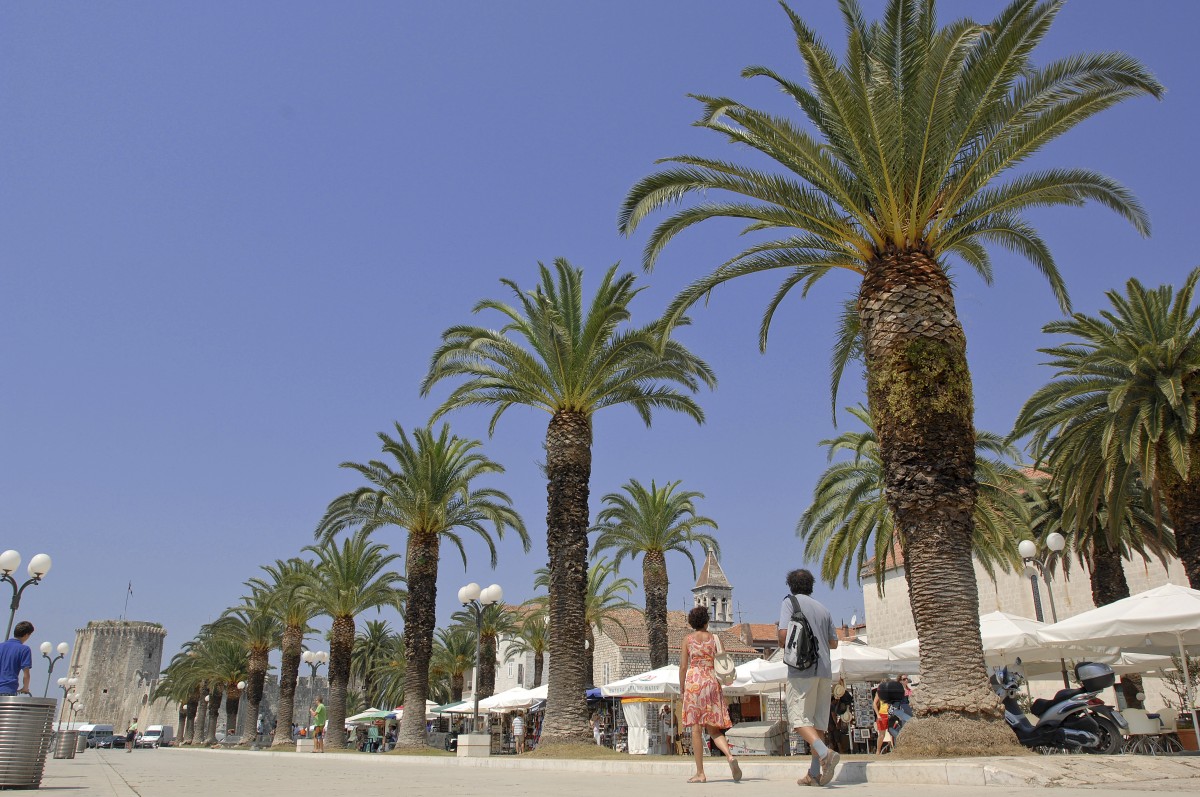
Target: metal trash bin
[[81, 745], [64, 745], [26, 727]]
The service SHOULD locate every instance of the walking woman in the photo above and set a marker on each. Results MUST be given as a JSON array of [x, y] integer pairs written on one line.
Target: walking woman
[[703, 704]]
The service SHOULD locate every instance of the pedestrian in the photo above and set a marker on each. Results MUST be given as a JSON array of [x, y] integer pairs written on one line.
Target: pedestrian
[[881, 721], [518, 727], [809, 690], [16, 660], [131, 735], [319, 715], [597, 730], [704, 706]]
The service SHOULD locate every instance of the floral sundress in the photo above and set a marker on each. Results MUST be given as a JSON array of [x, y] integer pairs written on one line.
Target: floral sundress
[[703, 702]]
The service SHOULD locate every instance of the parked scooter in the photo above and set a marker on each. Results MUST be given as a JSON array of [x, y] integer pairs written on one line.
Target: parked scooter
[[1067, 721]]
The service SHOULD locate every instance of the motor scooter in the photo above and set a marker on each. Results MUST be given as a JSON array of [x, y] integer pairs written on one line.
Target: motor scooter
[[1068, 721]]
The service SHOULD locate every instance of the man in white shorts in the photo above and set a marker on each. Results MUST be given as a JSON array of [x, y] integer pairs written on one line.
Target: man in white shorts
[[809, 691]]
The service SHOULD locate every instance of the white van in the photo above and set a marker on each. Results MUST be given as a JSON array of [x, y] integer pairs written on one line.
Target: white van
[[97, 735], [157, 736]]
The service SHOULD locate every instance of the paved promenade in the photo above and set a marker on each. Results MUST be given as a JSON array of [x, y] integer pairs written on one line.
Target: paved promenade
[[192, 773]]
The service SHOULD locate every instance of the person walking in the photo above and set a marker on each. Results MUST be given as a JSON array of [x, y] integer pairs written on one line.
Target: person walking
[[518, 728], [703, 703], [809, 690], [131, 735], [16, 661], [881, 722], [319, 715]]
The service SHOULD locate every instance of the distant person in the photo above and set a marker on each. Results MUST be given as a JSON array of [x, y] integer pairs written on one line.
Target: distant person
[[810, 690], [16, 660], [319, 715], [597, 730], [518, 727], [881, 721], [704, 706], [131, 735]]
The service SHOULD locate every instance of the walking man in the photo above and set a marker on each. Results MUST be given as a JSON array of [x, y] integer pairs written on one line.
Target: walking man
[[131, 736], [518, 727], [16, 660], [809, 690], [319, 715]]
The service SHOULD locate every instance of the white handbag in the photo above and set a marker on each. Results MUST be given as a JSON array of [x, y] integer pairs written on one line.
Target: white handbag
[[723, 666]]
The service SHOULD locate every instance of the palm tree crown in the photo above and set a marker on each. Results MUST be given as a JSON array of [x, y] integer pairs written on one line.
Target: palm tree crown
[[651, 522]]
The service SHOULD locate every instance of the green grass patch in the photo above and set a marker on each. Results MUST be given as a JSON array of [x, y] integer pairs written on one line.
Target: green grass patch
[[576, 750]]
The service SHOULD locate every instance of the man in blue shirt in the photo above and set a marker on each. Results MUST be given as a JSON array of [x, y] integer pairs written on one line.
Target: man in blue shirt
[[16, 659]]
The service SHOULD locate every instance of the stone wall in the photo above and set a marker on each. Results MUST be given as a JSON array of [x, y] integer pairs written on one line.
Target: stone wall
[[117, 664]]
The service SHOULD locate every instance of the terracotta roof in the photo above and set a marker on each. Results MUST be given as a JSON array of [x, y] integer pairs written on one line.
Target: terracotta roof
[[711, 574], [894, 559], [757, 632], [631, 633], [1034, 473]]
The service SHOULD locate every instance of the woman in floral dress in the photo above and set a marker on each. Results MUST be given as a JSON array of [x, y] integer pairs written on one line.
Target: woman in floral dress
[[703, 704]]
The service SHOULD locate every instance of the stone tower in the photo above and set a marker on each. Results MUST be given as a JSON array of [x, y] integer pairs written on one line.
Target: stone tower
[[118, 663], [714, 591]]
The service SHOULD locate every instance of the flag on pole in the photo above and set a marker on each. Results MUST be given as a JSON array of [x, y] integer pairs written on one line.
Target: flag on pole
[[130, 588]]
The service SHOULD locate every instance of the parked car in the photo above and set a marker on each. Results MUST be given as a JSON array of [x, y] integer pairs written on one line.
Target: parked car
[[157, 736], [97, 735]]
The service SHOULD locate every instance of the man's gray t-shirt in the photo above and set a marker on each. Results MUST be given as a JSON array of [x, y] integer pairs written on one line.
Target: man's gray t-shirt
[[822, 627]]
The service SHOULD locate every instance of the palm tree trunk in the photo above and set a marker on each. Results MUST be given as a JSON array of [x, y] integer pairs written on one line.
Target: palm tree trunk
[[487, 666], [654, 580], [1182, 497], [187, 733], [255, 679], [538, 662], [568, 472], [341, 645], [456, 687], [214, 716], [419, 622], [919, 390], [1109, 585], [289, 669], [233, 700]]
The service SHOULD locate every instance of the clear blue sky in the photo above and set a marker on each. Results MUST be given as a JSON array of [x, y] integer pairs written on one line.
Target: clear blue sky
[[231, 235]]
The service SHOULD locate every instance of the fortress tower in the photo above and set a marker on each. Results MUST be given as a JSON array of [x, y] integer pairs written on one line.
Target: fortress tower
[[714, 591], [118, 663]]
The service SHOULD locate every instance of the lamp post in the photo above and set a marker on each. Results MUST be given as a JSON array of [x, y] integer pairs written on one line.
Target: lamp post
[[1033, 567], [10, 560], [63, 647], [67, 685], [476, 599], [314, 659]]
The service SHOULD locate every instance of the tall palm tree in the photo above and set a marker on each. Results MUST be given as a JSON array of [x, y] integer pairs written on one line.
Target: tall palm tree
[[902, 166], [345, 581], [570, 359], [388, 672], [453, 657], [284, 584], [255, 625], [849, 524], [651, 522], [1128, 391], [606, 595], [183, 683], [496, 621], [432, 494], [372, 649], [533, 639]]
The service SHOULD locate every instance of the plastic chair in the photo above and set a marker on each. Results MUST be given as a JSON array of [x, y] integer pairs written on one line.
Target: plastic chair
[[1147, 735]]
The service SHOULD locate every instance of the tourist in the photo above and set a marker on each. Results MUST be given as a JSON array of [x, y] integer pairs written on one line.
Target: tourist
[[810, 690], [16, 660], [319, 715], [518, 730], [131, 736], [704, 706], [881, 721], [597, 730]]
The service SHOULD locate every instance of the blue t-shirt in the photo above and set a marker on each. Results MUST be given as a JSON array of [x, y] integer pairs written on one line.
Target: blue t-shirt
[[14, 657]]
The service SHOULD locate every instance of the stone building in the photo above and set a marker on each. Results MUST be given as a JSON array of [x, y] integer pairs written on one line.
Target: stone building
[[623, 647], [117, 664], [714, 591]]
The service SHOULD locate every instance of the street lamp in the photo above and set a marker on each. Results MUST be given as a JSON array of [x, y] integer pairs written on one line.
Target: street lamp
[[10, 560], [475, 599], [67, 685], [314, 659], [63, 647], [1033, 567]]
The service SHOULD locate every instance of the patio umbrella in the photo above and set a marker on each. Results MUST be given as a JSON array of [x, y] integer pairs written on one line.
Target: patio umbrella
[[372, 714], [663, 682], [1161, 620], [856, 662], [1006, 637]]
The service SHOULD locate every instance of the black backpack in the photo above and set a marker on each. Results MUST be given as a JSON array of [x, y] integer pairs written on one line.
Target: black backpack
[[800, 647]]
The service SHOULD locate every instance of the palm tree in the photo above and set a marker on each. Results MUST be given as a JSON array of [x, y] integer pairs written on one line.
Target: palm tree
[[1130, 380], [255, 625], [387, 672], [533, 638], [849, 525], [183, 684], [570, 359], [496, 621], [345, 581], [901, 167], [606, 595], [284, 585], [453, 657], [432, 494], [372, 650], [651, 522]]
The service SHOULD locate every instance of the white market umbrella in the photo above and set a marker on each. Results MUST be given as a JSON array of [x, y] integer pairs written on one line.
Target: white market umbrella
[[502, 699], [1005, 638], [760, 677], [1165, 619], [856, 662], [663, 682]]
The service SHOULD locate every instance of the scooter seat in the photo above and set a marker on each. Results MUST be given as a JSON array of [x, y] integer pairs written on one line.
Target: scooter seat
[[1042, 705]]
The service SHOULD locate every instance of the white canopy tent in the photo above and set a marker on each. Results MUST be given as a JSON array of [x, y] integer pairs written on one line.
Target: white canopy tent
[[663, 682], [1007, 637], [856, 662], [1165, 619]]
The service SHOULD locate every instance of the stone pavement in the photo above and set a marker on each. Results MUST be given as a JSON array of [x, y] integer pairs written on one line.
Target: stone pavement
[[221, 773]]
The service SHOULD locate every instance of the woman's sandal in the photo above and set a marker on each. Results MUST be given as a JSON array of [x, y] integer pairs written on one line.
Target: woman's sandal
[[736, 769], [697, 779]]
